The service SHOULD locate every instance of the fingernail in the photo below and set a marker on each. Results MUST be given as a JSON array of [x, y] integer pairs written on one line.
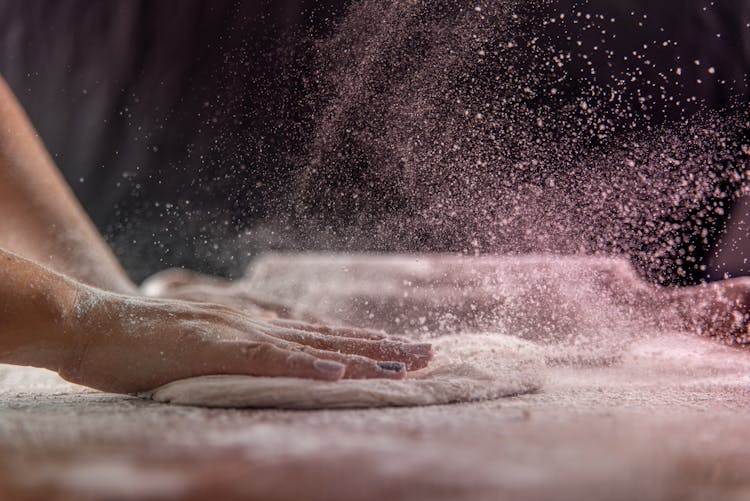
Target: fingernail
[[392, 366], [328, 366]]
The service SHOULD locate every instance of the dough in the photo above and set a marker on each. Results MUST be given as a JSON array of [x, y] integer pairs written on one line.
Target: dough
[[466, 368]]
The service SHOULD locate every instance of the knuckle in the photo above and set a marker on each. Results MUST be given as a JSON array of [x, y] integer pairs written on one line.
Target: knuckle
[[262, 351], [298, 358]]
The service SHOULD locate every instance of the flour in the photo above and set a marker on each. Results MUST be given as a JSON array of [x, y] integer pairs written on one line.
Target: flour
[[585, 309]]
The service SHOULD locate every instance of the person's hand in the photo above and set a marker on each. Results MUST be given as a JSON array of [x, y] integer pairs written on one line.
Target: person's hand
[[719, 309], [129, 344], [187, 285]]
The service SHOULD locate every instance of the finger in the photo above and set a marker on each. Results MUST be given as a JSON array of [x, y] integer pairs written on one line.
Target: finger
[[267, 360], [236, 296], [342, 331], [284, 311], [359, 367], [200, 295], [414, 356]]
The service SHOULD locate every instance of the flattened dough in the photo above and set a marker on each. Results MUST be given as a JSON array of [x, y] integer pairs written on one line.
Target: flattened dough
[[466, 368]]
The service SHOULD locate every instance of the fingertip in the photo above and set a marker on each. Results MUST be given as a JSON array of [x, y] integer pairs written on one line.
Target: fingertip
[[420, 356], [374, 334], [392, 370], [413, 355], [329, 370], [421, 349], [397, 367], [376, 370]]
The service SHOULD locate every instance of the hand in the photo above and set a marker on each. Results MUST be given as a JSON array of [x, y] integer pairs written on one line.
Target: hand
[[187, 285], [719, 309], [128, 344]]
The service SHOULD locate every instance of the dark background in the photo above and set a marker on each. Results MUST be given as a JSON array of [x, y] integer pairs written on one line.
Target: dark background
[[165, 116], [175, 120]]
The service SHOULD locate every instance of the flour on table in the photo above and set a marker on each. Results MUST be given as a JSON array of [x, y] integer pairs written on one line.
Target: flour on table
[[466, 367]]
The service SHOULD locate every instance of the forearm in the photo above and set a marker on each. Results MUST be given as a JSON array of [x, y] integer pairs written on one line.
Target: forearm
[[41, 218], [35, 304], [680, 308], [718, 309]]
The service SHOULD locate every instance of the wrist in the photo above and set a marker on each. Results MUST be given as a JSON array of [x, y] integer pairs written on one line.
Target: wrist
[[34, 309], [80, 326]]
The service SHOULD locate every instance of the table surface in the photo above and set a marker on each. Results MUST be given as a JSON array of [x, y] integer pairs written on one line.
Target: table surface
[[668, 420]]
